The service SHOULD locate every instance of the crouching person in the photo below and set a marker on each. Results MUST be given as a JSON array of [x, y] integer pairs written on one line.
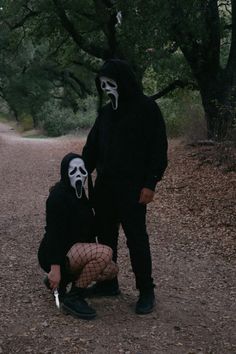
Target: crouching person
[[68, 251]]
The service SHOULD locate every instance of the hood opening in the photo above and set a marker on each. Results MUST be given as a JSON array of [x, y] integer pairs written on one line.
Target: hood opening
[[122, 73], [65, 166]]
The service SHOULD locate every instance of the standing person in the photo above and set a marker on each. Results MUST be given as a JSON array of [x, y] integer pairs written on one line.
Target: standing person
[[128, 147], [68, 251]]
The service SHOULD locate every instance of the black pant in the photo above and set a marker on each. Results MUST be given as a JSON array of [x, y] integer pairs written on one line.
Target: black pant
[[117, 204]]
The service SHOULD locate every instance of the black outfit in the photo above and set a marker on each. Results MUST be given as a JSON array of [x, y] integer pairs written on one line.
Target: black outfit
[[128, 148], [68, 220]]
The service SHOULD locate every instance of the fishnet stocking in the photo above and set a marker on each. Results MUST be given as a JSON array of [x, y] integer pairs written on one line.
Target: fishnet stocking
[[109, 272], [90, 262]]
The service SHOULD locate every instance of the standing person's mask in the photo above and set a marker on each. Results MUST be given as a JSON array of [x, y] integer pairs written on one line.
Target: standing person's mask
[[110, 87], [77, 174]]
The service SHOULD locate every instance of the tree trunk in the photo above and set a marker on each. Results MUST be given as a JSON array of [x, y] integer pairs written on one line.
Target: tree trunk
[[15, 113], [219, 103]]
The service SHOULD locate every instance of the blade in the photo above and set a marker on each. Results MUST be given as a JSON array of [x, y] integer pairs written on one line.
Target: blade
[[56, 295]]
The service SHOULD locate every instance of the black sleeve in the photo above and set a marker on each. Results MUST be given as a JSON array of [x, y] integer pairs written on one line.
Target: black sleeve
[[91, 148], [157, 147], [56, 229]]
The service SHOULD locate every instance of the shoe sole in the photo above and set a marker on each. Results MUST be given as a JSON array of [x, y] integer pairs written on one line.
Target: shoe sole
[[67, 311], [145, 312]]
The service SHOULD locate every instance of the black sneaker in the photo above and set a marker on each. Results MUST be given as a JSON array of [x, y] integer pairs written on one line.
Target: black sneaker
[[146, 302], [74, 304], [101, 290]]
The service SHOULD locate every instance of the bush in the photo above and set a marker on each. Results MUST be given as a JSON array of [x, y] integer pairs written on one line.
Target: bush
[[184, 115], [57, 120], [3, 117], [26, 121], [182, 111], [87, 112]]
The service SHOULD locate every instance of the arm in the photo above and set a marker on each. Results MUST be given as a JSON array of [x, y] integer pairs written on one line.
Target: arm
[[91, 148], [157, 150], [54, 276], [56, 229]]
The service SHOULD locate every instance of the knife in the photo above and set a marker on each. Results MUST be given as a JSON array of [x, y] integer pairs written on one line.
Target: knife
[[56, 295]]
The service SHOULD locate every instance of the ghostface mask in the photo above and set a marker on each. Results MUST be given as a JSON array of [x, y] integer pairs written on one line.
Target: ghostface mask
[[77, 175], [109, 86]]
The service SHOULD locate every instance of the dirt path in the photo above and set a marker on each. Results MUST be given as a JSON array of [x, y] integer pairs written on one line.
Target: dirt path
[[191, 229]]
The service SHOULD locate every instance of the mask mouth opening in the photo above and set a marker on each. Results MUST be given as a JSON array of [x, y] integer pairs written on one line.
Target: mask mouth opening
[[114, 100], [78, 188]]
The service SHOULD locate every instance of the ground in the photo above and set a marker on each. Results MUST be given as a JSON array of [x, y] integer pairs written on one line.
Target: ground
[[191, 229]]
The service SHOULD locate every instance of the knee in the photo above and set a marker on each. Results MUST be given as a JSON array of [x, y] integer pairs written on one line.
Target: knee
[[107, 252]]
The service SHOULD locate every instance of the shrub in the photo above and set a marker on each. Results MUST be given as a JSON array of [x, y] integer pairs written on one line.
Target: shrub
[[184, 115], [57, 120], [87, 112], [26, 121]]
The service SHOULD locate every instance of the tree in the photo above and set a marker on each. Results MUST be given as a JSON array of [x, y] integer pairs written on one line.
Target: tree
[[205, 32], [37, 59], [195, 40]]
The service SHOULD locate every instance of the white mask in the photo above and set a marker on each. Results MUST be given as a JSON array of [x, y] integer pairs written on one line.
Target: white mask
[[77, 174], [110, 87]]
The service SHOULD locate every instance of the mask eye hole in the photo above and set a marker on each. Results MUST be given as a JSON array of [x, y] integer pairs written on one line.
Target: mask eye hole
[[108, 84], [103, 84], [112, 84], [82, 171], [71, 173]]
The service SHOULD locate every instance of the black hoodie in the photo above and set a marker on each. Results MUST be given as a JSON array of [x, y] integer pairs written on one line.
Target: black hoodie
[[68, 220], [127, 145]]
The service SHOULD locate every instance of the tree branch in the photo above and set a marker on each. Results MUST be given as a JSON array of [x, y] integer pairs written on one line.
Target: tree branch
[[202, 51], [17, 47], [22, 21], [171, 87], [57, 97], [89, 48], [79, 82], [87, 66], [211, 39], [108, 20], [54, 52]]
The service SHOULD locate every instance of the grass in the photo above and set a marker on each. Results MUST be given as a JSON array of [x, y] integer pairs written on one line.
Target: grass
[[35, 134]]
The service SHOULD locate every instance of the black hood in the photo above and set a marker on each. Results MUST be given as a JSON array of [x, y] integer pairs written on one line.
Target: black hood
[[122, 73], [65, 166]]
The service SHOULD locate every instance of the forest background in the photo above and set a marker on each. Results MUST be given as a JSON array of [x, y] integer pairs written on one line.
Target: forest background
[[183, 53]]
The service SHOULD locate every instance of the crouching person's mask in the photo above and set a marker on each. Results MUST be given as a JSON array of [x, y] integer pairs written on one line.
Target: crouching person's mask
[[110, 87], [77, 174]]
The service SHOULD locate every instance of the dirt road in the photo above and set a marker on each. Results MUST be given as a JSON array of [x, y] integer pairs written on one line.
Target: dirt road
[[191, 229]]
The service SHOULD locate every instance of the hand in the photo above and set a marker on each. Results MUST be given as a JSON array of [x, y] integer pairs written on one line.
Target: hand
[[146, 196], [54, 276]]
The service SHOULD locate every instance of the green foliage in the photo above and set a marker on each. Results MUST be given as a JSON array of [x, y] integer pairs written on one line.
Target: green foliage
[[87, 112], [52, 49], [150, 81], [184, 115], [57, 120], [4, 117], [26, 121]]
